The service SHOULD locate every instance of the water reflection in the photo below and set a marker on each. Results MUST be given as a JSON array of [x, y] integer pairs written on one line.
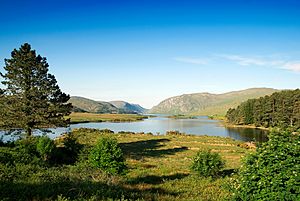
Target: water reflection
[[160, 125], [248, 134]]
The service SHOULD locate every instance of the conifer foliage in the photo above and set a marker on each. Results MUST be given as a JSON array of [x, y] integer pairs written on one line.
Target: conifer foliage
[[281, 109], [31, 98]]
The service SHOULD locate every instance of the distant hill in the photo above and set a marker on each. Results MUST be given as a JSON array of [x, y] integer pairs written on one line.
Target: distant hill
[[207, 103], [128, 107], [81, 104]]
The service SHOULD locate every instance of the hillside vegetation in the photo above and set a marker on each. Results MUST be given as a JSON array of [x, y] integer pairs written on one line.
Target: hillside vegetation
[[281, 109], [207, 103], [81, 104]]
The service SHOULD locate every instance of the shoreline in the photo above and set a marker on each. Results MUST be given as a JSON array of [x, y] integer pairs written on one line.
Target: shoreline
[[228, 125], [222, 119]]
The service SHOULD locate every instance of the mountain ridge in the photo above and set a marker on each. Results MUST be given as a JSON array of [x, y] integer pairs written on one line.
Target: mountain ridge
[[82, 104], [205, 103], [128, 107]]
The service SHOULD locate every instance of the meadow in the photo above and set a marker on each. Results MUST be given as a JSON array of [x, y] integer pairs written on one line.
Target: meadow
[[159, 169]]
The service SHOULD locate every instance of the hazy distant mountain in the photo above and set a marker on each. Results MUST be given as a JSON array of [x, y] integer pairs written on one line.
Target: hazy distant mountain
[[81, 104], [128, 107], [207, 103], [88, 105]]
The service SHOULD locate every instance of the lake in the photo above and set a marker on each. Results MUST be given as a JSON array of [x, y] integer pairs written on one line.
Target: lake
[[201, 125]]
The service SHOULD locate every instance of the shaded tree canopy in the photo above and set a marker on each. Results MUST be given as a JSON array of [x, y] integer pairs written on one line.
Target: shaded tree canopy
[[31, 97], [281, 109]]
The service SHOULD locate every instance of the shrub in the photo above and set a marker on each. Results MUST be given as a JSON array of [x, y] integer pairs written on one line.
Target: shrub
[[45, 147], [174, 133], [108, 156], [25, 150], [6, 156], [273, 172], [68, 149], [207, 163], [71, 145]]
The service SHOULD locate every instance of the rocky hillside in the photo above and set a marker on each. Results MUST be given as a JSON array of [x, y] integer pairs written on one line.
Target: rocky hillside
[[129, 107], [81, 104], [207, 103]]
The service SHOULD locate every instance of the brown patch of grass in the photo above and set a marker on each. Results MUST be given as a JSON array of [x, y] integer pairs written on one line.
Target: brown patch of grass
[[79, 117]]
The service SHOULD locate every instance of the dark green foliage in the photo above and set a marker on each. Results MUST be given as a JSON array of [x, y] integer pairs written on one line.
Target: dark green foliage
[[281, 109], [108, 156], [273, 171], [41, 151], [206, 163], [68, 150], [25, 150], [6, 157], [45, 148], [32, 98]]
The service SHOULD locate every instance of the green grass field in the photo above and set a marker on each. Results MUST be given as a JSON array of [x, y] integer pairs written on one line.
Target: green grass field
[[159, 166], [159, 169]]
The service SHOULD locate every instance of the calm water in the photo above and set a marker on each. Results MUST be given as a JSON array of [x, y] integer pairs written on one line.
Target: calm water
[[160, 125]]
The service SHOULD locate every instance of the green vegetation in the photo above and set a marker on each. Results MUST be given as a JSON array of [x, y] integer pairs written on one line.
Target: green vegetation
[[32, 98], [77, 166], [45, 147], [281, 109], [108, 156], [208, 104], [273, 171], [217, 117], [206, 163], [181, 116], [79, 117], [158, 169]]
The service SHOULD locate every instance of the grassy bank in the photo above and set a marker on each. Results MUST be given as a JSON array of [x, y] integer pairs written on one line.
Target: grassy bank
[[227, 124], [78, 117], [217, 117], [246, 126], [180, 116], [159, 169]]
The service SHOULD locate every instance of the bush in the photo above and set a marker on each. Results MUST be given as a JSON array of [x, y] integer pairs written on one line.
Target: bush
[[108, 156], [68, 149], [45, 147], [6, 156], [273, 172], [207, 163], [25, 151]]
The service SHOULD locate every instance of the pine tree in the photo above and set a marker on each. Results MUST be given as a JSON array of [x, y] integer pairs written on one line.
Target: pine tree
[[32, 99], [281, 109]]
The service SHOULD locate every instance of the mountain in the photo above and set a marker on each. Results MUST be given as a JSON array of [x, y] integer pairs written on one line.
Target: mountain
[[81, 104], [128, 107], [207, 103]]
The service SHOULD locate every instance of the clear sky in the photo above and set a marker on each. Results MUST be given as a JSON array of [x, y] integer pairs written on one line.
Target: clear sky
[[143, 51]]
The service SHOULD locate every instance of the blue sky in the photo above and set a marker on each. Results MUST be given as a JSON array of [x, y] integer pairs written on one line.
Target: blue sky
[[145, 51]]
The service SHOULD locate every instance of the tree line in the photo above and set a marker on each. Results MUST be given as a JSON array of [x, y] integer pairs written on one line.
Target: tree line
[[281, 109]]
